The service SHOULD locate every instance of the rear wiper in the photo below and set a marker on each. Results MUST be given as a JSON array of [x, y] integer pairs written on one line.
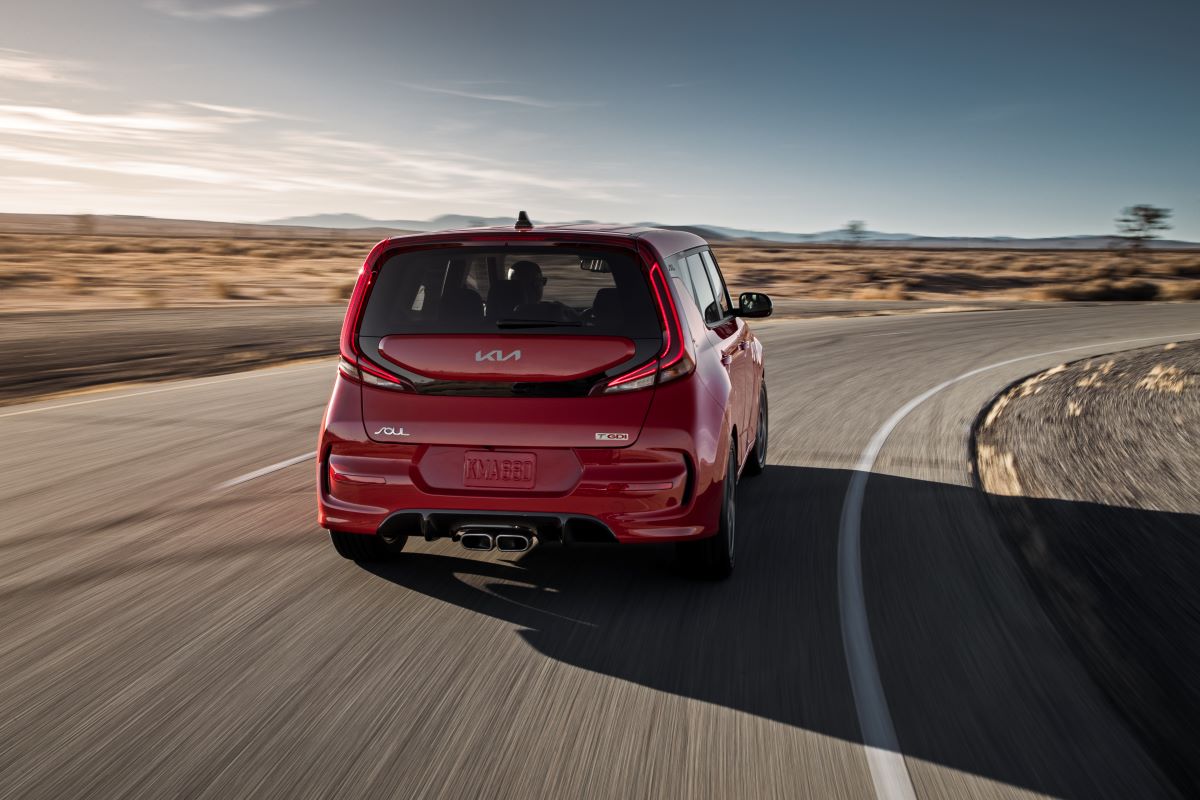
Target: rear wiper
[[538, 323]]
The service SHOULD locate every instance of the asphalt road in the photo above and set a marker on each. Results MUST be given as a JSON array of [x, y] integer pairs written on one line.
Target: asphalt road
[[166, 634]]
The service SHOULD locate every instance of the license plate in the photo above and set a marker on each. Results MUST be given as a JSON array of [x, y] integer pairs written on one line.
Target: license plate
[[483, 468]]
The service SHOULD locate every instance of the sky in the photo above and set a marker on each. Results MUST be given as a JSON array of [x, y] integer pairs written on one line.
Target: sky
[[929, 116]]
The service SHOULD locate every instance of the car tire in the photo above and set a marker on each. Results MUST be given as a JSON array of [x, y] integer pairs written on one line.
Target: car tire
[[712, 558], [757, 461], [363, 546]]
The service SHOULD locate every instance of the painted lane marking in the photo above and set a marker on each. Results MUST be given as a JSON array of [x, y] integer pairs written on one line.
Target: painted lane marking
[[889, 773], [172, 388], [258, 473]]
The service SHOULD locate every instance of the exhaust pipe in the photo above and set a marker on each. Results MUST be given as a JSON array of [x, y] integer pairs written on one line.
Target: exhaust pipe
[[476, 541], [513, 542]]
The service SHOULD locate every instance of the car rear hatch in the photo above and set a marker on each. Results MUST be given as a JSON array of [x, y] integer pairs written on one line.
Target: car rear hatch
[[510, 345]]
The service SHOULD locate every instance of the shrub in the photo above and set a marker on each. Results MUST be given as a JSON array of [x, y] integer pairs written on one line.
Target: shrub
[[153, 297], [888, 291], [341, 292], [1183, 290], [1105, 290], [225, 290]]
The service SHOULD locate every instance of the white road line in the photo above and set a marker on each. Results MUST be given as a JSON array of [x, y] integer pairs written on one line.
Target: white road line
[[241, 376], [884, 757], [258, 473]]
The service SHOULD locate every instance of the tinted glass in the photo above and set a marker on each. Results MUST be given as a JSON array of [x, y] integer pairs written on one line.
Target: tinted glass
[[714, 277], [710, 309], [677, 268], [475, 290]]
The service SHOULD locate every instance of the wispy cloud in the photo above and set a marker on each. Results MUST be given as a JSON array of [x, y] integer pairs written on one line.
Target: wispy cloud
[[29, 181], [63, 123], [513, 99], [203, 11], [22, 66], [240, 112], [163, 150]]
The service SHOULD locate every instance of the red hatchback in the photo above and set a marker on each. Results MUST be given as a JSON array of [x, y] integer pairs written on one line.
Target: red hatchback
[[503, 386]]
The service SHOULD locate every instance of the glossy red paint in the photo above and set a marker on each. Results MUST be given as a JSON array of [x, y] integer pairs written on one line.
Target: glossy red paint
[[470, 357], [390, 449]]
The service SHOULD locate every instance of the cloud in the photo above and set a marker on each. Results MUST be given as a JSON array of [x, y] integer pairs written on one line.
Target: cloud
[[204, 11], [514, 99], [29, 181], [19, 65], [239, 112], [205, 151], [63, 123]]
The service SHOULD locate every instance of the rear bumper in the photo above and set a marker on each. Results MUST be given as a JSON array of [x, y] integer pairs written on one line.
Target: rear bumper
[[627, 495]]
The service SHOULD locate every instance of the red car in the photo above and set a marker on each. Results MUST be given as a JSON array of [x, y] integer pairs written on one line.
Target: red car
[[501, 386]]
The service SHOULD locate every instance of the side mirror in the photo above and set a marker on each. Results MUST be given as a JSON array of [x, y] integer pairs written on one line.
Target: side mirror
[[754, 304]]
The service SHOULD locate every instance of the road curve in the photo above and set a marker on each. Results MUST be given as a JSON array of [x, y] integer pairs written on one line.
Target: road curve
[[173, 627]]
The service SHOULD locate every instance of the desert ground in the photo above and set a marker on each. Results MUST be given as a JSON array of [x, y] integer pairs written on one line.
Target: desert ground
[[51, 264]]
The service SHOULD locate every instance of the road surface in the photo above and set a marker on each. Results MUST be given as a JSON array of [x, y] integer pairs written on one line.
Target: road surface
[[175, 625]]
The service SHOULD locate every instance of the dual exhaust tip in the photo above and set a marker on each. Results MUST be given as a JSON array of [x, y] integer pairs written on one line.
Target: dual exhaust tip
[[509, 541]]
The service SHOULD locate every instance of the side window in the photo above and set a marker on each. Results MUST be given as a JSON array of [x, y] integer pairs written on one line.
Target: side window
[[718, 285], [710, 308], [677, 268]]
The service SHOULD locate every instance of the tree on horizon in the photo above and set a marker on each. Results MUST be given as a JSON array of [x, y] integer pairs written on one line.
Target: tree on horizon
[[856, 231], [1141, 223]]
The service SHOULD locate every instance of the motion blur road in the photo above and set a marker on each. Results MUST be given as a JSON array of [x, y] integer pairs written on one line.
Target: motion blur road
[[170, 630]]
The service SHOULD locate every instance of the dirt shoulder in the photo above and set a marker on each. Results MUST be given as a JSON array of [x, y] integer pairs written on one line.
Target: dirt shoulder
[[44, 353], [1094, 468]]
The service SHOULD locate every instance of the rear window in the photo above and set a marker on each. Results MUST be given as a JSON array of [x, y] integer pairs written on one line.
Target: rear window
[[475, 290]]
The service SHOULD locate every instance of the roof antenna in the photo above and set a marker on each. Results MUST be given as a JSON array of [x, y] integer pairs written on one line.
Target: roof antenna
[[523, 223]]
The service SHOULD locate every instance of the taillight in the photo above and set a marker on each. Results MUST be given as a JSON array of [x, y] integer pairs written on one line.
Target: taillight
[[672, 360], [353, 364]]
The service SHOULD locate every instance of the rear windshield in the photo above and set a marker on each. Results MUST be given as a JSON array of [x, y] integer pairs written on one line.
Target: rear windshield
[[476, 290]]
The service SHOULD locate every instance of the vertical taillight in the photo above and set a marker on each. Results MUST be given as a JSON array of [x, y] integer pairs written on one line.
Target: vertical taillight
[[353, 364], [672, 360]]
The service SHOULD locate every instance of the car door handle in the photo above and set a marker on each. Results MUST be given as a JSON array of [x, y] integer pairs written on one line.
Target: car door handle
[[742, 345], [726, 359]]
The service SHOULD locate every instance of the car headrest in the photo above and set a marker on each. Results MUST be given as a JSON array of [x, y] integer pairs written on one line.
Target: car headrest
[[503, 297], [606, 307], [460, 304]]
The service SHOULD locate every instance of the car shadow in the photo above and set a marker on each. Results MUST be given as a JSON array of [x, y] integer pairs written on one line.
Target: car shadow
[[967, 662]]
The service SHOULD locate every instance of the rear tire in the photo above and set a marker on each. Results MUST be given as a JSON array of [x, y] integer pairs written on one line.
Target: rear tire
[[757, 461], [712, 558], [362, 546]]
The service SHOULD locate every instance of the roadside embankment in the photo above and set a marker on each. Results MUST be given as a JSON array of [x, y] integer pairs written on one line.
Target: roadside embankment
[[45, 353], [1094, 469]]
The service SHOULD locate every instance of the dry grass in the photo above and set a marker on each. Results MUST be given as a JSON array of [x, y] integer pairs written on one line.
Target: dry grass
[[909, 274], [46, 271]]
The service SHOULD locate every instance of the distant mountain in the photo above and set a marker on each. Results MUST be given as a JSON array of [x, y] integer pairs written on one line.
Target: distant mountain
[[799, 238], [353, 221], [720, 232]]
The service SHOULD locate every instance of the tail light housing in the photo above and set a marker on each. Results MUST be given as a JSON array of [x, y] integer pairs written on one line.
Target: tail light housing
[[353, 364], [672, 361]]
